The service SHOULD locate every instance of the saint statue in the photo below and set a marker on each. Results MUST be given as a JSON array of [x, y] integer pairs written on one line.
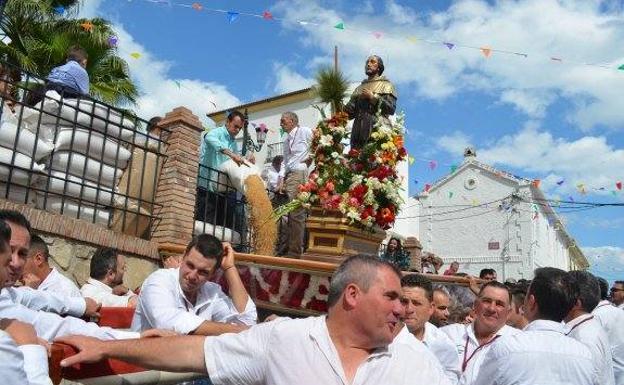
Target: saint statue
[[375, 93]]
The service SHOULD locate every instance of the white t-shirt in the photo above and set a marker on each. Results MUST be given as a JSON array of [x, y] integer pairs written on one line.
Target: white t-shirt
[[611, 318], [470, 354], [103, 294], [56, 282], [301, 352], [162, 305], [26, 364], [587, 329], [444, 350], [540, 354], [49, 326]]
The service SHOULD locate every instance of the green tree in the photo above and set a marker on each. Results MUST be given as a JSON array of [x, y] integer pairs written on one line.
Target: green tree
[[40, 36]]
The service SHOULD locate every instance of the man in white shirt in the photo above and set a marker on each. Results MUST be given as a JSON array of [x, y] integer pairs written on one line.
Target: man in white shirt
[[611, 318], [583, 327], [22, 359], [183, 299], [351, 345], [105, 284], [39, 275], [35, 299], [541, 354], [617, 294], [296, 162], [473, 341], [418, 301]]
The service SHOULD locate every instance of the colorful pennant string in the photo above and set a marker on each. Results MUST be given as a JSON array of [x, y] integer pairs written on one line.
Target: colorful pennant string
[[232, 16], [339, 26]]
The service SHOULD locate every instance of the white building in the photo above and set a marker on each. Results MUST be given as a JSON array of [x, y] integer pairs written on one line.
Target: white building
[[486, 218]]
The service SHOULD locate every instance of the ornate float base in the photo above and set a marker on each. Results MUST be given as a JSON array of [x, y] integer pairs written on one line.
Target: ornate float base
[[333, 239]]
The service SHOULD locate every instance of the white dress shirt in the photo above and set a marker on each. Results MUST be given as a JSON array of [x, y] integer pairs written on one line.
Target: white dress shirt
[[471, 355], [26, 364], [612, 320], [587, 330], [540, 355], [272, 177], [296, 149], [56, 282], [103, 294], [444, 350], [49, 326], [47, 301], [163, 305], [300, 351], [621, 306]]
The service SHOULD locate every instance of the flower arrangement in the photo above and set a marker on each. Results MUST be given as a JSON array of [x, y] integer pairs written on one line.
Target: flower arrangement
[[362, 184]]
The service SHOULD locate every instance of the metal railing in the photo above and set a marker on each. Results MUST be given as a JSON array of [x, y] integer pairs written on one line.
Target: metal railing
[[77, 156], [220, 210]]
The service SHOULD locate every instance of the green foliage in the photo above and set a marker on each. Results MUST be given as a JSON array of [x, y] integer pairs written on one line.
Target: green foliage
[[40, 38], [331, 87]]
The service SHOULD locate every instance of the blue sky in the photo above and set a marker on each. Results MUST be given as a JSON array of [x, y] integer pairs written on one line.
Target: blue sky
[[533, 116]]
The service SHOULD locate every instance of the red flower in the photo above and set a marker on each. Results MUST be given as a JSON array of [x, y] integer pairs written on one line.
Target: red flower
[[354, 153], [385, 217], [358, 191], [367, 212], [330, 186]]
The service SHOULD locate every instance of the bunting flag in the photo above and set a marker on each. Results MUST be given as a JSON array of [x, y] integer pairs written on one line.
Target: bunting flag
[[484, 50], [87, 26], [135, 55], [474, 202], [59, 10], [559, 183], [433, 164], [427, 187], [177, 82], [618, 185], [112, 41], [453, 168], [450, 194], [581, 188], [411, 160], [232, 16], [613, 192], [536, 183], [571, 198], [412, 39]]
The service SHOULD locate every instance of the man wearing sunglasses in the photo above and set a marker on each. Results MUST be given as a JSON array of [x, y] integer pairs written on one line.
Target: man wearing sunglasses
[[617, 294]]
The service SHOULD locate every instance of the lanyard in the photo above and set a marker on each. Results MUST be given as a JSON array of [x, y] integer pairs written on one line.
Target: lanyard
[[579, 324], [467, 360], [292, 139]]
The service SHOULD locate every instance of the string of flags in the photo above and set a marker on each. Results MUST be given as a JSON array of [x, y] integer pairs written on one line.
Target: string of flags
[[485, 50]]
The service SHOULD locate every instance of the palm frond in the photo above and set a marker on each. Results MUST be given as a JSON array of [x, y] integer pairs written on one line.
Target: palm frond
[[331, 87]]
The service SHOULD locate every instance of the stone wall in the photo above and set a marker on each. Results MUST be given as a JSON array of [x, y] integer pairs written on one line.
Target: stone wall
[[72, 258]]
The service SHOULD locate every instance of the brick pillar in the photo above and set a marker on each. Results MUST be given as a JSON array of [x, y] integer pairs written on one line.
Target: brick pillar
[[175, 192], [412, 245]]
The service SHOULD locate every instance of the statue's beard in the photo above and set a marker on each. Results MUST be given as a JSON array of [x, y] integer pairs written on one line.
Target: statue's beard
[[371, 72]]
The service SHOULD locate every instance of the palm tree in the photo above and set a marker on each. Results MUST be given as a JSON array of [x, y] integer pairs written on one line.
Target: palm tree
[[40, 38], [331, 87]]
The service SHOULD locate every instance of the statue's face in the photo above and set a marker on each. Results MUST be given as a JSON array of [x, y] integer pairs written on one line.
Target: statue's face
[[372, 66]]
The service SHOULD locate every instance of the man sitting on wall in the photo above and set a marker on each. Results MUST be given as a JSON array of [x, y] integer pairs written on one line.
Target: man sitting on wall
[[183, 300], [106, 279], [39, 275]]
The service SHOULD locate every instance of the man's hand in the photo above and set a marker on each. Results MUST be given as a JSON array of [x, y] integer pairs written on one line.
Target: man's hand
[[92, 309], [120, 290], [31, 280], [89, 350], [21, 332], [228, 256], [151, 333], [237, 159], [270, 318]]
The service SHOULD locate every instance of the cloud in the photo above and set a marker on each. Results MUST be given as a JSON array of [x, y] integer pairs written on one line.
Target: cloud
[[287, 80], [606, 261], [531, 84], [590, 160], [88, 9], [160, 92]]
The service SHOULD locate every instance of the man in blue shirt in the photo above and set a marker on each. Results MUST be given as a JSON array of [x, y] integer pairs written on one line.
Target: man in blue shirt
[[218, 145], [71, 79]]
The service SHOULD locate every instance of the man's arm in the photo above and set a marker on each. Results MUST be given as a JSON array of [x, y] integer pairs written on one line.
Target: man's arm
[[173, 354], [238, 293], [212, 328], [53, 302]]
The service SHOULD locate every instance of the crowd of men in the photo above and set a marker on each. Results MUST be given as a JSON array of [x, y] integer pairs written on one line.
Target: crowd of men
[[382, 327]]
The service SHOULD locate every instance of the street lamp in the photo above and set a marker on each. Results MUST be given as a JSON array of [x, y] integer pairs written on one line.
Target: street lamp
[[261, 134]]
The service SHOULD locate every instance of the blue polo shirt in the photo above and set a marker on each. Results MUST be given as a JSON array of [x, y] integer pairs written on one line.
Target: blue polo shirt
[[71, 75], [210, 154]]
